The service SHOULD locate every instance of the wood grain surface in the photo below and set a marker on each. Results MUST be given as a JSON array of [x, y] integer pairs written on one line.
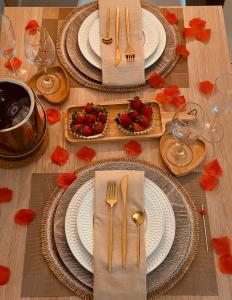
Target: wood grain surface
[[205, 62]]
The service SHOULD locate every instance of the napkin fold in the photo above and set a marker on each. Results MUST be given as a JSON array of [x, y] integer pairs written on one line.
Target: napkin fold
[[123, 284], [125, 73]]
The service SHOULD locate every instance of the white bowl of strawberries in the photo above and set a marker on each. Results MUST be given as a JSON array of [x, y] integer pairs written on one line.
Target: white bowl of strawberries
[[90, 123], [138, 119]]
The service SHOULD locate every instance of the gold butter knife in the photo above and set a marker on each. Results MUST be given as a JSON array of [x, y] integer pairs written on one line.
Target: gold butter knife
[[117, 58], [124, 189]]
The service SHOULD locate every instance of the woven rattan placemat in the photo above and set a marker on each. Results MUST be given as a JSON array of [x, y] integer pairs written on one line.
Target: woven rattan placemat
[[39, 281], [179, 75]]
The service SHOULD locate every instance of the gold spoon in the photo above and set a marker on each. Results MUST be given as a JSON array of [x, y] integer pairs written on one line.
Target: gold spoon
[[107, 38], [138, 218]]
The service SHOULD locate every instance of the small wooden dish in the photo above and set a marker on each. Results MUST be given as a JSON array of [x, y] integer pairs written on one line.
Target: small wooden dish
[[113, 133], [60, 95], [199, 150]]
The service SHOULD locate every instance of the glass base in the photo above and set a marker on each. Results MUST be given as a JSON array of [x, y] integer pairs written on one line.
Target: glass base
[[179, 156], [48, 84], [21, 75], [213, 133]]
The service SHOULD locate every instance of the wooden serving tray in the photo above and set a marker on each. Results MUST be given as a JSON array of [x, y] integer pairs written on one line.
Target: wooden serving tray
[[113, 133], [199, 150]]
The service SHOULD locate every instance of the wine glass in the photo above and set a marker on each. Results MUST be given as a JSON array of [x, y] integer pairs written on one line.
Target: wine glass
[[8, 47], [40, 51], [221, 103], [187, 126]]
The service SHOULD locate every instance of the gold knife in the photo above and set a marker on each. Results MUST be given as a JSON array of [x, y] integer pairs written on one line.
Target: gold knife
[[117, 58], [124, 189]]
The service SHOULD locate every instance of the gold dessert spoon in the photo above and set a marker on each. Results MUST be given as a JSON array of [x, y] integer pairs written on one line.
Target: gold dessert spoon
[[138, 218], [107, 38]]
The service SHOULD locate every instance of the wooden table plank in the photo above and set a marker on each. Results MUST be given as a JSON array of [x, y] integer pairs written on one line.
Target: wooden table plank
[[206, 61]]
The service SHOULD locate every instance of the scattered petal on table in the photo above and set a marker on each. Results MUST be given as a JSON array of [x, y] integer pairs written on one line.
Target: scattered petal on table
[[213, 168], [156, 80], [4, 275], [64, 180], [197, 22], [225, 264], [202, 212], [206, 87], [32, 26], [86, 153], [203, 35], [53, 115], [208, 182], [189, 32], [5, 194], [171, 17], [16, 62], [182, 50], [160, 97], [178, 101], [60, 156], [221, 245], [133, 148], [172, 90], [24, 216]]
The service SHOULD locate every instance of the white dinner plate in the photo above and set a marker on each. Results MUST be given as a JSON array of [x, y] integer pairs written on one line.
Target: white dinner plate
[[150, 33], [154, 224], [154, 260], [94, 59]]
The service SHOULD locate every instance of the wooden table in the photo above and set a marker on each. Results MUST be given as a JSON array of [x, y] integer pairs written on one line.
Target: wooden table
[[205, 62]]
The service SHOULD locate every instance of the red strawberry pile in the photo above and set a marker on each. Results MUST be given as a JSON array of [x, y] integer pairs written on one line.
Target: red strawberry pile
[[138, 118], [90, 122]]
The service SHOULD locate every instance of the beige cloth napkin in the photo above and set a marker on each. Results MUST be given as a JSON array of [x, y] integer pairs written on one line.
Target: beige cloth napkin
[[123, 284], [125, 73]]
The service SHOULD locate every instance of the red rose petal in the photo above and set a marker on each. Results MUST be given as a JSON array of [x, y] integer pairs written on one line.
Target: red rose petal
[[172, 90], [203, 35], [4, 275], [213, 168], [160, 97], [53, 115], [171, 17], [16, 62], [208, 182], [86, 153], [197, 22], [225, 264], [32, 26], [221, 245], [5, 195], [182, 50], [156, 80], [24, 216], [133, 148], [9, 52], [189, 32], [206, 86], [202, 212], [60, 156], [178, 101], [65, 179]]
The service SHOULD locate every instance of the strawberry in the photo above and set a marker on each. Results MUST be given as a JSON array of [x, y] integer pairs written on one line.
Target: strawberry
[[147, 111], [78, 128], [124, 120], [87, 130], [136, 104], [89, 108], [137, 127], [98, 127], [133, 115], [102, 117], [79, 119], [90, 119], [143, 120]]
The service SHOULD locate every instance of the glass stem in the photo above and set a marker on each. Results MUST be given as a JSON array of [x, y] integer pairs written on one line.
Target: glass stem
[[179, 148], [46, 76], [13, 66], [214, 120]]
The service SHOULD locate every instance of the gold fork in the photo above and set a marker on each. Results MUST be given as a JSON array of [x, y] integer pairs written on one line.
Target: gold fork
[[129, 52], [117, 58], [111, 199]]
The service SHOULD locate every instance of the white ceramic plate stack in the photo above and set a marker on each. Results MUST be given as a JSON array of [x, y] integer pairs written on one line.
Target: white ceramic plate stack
[[159, 225], [154, 38]]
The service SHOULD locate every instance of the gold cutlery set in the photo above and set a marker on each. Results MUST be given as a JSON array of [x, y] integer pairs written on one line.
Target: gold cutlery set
[[107, 38], [137, 217]]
